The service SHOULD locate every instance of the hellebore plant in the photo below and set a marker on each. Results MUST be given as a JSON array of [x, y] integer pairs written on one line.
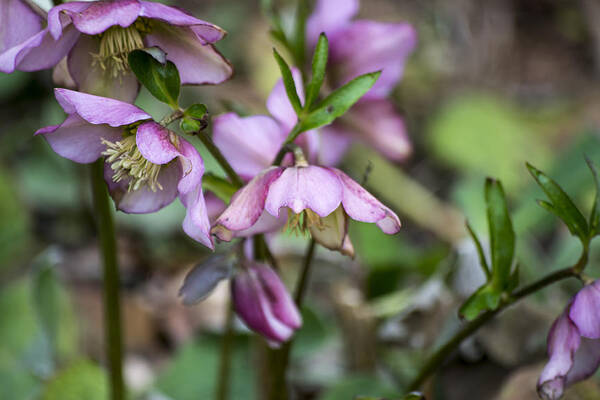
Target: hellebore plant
[[573, 344], [96, 37], [357, 47], [146, 165]]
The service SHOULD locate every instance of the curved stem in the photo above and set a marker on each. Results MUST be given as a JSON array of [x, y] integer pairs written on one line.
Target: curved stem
[[175, 115], [440, 355], [112, 311], [216, 153], [222, 392]]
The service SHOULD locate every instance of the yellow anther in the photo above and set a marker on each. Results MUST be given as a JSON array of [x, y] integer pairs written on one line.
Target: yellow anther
[[115, 45], [301, 223]]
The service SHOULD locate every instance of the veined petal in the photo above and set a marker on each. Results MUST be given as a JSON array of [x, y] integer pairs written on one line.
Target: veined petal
[[282, 304], [101, 15], [246, 206], [91, 78], [153, 141], [78, 140], [59, 16], [144, 200], [198, 63], [208, 32], [300, 188], [328, 17], [279, 105], [18, 22], [361, 205], [99, 110], [563, 342], [248, 143], [382, 46], [584, 311]]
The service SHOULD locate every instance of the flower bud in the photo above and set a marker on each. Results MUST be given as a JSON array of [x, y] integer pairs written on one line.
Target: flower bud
[[262, 301]]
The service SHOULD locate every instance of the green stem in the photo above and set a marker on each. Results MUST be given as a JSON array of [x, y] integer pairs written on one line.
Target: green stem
[[216, 153], [222, 392], [440, 355], [285, 146], [112, 312], [279, 359], [175, 115]]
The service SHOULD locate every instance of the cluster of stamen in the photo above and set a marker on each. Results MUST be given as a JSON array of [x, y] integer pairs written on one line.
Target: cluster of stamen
[[115, 45], [301, 223], [126, 161]]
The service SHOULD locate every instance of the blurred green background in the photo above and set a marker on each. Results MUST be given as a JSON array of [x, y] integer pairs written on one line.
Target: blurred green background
[[491, 85]]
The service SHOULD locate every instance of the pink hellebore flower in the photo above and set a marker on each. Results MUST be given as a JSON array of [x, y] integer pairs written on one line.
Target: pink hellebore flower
[[97, 37], [573, 344], [359, 47], [264, 304], [146, 165], [18, 22]]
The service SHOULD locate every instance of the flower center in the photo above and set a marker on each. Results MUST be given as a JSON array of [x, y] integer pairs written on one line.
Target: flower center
[[115, 45], [126, 161], [301, 223]]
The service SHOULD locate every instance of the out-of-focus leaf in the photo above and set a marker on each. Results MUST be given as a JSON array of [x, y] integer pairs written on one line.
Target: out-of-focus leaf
[[161, 79], [562, 205], [338, 102], [351, 387], [221, 187], [485, 298], [319, 63], [299, 34], [288, 82], [502, 236], [595, 213], [482, 261], [14, 228], [204, 277], [80, 380], [313, 333], [410, 396]]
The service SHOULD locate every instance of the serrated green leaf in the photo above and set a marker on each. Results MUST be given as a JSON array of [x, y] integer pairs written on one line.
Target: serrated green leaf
[[221, 187], [189, 125], [197, 111], [502, 235], [319, 63], [288, 82], [485, 298], [338, 102], [562, 205], [482, 261], [595, 214], [162, 80]]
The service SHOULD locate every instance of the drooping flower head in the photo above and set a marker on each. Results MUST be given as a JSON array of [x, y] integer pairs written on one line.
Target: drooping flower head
[[573, 344], [146, 165], [97, 37], [264, 304]]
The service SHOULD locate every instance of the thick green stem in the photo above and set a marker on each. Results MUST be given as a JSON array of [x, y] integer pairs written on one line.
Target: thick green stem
[[222, 392], [436, 360], [112, 312]]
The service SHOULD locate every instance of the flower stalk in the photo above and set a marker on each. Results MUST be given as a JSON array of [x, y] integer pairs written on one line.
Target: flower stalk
[[112, 312]]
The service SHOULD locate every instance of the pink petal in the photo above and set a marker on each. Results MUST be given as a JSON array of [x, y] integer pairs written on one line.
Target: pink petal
[[584, 311], [18, 22], [282, 304], [279, 105], [61, 76], [563, 341], [78, 140], [310, 142], [266, 223], [99, 110], [93, 79], [58, 16], [376, 122], [198, 63], [249, 143], [382, 47], [300, 188], [193, 168], [335, 142], [154, 142], [210, 33], [144, 200], [328, 17], [101, 15], [246, 206], [586, 361], [361, 205]]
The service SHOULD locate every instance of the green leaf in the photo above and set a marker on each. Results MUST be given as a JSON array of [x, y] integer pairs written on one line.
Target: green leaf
[[338, 102], [221, 187], [80, 380], [562, 205], [502, 235], [485, 298], [162, 80], [595, 214], [46, 292], [482, 261], [299, 34], [319, 63], [288, 82], [190, 125], [197, 111]]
